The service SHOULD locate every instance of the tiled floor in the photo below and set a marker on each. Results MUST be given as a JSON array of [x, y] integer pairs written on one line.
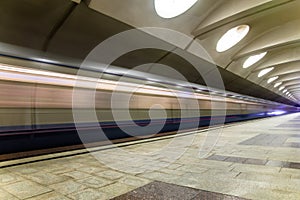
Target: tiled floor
[[257, 159]]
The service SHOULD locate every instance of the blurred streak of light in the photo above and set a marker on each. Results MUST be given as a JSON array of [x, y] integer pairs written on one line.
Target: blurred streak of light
[[20, 74]]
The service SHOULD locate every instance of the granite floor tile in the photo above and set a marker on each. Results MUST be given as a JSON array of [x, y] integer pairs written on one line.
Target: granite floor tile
[[134, 181], [23, 169], [89, 194], [293, 139], [205, 195], [255, 161], [294, 173], [174, 166], [95, 182], [116, 189], [7, 178], [46, 178], [58, 169], [68, 187], [110, 174], [271, 194], [7, 196], [255, 168], [263, 177], [160, 176], [211, 173], [50, 196], [25, 189], [217, 157], [173, 172], [4, 171], [211, 164], [193, 168], [235, 159], [77, 174], [91, 169]]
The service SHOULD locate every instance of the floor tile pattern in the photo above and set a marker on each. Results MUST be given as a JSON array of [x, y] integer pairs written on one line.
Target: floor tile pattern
[[258, 159]]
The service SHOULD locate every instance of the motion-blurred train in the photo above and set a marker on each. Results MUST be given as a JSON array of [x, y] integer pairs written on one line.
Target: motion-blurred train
[[37, 106]]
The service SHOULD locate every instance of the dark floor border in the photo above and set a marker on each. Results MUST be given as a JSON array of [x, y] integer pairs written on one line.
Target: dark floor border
[[254, 161], [160, 191]]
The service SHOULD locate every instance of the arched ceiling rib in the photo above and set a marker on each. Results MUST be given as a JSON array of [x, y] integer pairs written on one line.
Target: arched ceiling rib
[[288, 77], [290, 88], [278, 59], [275, 31], [281, 69], [274, 37], [293, 83]]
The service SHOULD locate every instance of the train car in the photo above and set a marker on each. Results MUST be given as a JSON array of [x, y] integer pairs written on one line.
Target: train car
[[42, 109]]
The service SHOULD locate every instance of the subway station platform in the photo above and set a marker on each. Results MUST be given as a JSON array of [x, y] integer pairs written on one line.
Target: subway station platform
[[258, 159]]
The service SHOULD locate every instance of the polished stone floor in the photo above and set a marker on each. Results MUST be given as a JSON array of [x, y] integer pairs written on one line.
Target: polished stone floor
[[258, 159]]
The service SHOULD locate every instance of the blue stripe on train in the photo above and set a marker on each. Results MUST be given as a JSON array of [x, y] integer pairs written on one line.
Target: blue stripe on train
[[203, 121]]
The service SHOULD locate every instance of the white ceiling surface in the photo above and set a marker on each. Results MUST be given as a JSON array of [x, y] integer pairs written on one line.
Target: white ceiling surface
[[274, 27]]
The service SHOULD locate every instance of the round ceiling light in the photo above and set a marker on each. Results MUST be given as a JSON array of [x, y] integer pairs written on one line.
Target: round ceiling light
[[232, 37], [265, 71], [272, 79], [284, 91], [277, 84], [281, 88], [172, 8], [253, 59]]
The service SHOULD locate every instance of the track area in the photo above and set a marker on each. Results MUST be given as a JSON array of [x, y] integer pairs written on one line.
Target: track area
[[30, 143], [22, 156]]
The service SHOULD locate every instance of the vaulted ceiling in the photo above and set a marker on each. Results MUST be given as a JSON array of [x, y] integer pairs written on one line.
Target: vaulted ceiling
[[274, 28], [65, 31]]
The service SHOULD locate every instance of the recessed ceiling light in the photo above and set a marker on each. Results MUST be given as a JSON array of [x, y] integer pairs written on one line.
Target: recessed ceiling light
[[253, 59], [265, 71], [281, 88], [284, 91], [277, 84], [232, 37], [272, 79], [172, 8]]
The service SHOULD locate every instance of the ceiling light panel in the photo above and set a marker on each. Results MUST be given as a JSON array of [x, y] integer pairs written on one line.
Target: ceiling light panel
[[172, 8], [265, 71], [232, 37], [253, 59], [270, 80], [281, 88], [277, 84]]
